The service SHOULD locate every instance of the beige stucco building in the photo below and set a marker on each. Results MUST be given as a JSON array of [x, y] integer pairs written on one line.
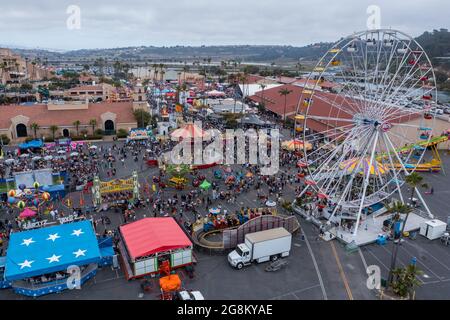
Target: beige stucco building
[[17, 121]]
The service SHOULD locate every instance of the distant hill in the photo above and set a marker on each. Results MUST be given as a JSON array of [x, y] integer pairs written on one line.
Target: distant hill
[[437, 45], [245, 53]]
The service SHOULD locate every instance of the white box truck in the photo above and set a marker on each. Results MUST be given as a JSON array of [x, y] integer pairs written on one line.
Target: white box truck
[[261, 247]]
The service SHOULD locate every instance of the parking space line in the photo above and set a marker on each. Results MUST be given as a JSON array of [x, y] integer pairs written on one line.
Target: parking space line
[[426, 267], [436, 259], [295, 292], [376, 258], [363, 259], [401, 262], [315, 266]]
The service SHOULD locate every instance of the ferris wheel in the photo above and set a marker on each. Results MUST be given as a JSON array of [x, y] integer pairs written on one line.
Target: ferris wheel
[[368, 110]]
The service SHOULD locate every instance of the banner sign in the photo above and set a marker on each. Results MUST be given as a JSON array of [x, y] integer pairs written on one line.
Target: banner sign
[[117, 185], [139, 134]]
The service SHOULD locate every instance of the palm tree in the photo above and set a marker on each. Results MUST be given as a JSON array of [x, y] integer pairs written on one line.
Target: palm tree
[[185, 69], [53, 129], [155, 71], [93, 123], [34, 126], [77, 123], [161, 68], [3, 69], [405, 280], [415, 180], [263, 86], [397, 208], [243, 78], [284, 92], [298, 66]]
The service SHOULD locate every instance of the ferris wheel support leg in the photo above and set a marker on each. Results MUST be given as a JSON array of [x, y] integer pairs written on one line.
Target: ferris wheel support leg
[[350, 183], [399, 190], [424, 204], [366, 183]]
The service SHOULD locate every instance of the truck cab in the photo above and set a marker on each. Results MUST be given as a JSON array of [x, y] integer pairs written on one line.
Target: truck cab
[[240, 257]]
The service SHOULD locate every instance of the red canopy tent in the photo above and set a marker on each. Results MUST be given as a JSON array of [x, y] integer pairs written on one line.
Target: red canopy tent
[[189, 131], [152, 235]]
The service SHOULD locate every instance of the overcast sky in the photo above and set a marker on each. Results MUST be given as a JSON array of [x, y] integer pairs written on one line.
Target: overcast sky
[[112, 23]]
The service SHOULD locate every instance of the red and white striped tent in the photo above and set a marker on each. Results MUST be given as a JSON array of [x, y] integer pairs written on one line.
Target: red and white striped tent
[[189, 131]]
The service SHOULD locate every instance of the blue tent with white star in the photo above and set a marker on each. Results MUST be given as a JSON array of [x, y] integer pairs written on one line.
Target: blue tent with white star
[[47, 250]]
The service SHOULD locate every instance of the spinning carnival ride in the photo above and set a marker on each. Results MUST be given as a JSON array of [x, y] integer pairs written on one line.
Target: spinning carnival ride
[[387, 88]]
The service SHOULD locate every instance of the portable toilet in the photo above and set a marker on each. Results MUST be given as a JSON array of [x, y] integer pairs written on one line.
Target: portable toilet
[[433, 229]]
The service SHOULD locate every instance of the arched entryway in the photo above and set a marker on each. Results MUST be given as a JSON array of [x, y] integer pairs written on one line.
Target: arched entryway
[[21, 130], [66, 133], [109, 127]]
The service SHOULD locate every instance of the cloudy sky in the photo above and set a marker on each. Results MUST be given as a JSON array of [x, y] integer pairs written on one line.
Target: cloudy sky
[[113, 23]]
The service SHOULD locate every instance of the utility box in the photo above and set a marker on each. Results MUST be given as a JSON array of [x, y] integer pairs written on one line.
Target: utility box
[[433, 229]]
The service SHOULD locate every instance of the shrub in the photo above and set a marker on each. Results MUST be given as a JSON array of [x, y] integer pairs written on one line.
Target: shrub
[[95, 137], [122, 133], [287, 206], [99, 132]]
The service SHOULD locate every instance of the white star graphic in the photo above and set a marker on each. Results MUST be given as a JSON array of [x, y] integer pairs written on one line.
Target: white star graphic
[[27, 242], [77, 232], [53, 237], [53, 258], [79, 253], [26, 263]]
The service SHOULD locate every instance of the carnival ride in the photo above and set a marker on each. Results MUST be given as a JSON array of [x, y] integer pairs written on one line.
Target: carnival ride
[[100, 189], [26, 198], [387, 91], [434, 165]]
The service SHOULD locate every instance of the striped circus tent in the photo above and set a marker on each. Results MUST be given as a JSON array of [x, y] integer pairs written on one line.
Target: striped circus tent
[[189, 131], [352, 164]]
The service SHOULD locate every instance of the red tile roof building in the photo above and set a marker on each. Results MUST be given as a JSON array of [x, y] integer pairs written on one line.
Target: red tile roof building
[[109, 116], [324, 104]]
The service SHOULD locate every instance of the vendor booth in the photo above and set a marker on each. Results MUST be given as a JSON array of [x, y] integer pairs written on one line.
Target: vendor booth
[[149, 242], [39, 261], [33, 145], [139, 134]]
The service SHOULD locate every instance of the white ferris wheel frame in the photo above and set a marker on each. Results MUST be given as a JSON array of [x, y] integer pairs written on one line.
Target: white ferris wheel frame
[[359, 105]]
